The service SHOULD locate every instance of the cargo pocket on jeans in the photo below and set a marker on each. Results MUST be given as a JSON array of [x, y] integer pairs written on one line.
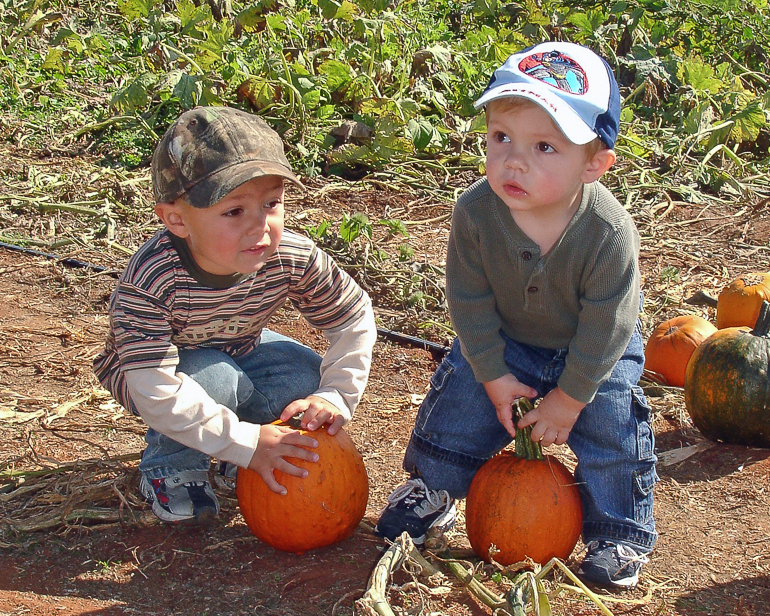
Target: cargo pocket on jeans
[[645, 439], [437, 383], [644, 482]]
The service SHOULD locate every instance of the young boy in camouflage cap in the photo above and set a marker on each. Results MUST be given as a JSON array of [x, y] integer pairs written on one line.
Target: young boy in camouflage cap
[[188, 349]]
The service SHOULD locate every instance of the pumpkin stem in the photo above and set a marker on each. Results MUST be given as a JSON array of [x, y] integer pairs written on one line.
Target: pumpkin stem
[[292, 422], [762, 326], [701, 298], [526, 448]]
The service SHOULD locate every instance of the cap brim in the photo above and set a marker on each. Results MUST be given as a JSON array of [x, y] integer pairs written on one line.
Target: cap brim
[[212, 189], [570, 123]]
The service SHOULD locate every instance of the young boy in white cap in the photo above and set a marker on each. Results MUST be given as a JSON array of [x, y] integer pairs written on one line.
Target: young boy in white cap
[[544, 293], [188, 349]]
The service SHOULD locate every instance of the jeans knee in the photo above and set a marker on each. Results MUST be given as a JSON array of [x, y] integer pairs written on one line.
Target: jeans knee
[[440, 468], [219, 376]]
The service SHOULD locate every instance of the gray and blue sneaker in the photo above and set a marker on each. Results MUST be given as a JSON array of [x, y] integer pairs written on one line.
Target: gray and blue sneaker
[[413, 508], [184, 497], [611, 565]]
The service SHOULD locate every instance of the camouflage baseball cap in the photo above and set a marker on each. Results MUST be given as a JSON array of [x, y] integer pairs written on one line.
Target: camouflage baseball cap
[[210, 151]]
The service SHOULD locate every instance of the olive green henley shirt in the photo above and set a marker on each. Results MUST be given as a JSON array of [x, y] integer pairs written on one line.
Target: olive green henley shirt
[[583, 295]]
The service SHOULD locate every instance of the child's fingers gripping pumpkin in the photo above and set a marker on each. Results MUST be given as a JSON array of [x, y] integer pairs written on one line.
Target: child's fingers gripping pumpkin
[[276, 443], [503, 393], [553, 418], [317, 412]]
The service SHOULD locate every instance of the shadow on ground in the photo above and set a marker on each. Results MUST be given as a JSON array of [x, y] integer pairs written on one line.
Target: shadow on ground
[[745, 597]]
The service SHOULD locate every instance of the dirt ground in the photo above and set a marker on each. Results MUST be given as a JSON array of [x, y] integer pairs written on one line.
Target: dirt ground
[[77, 538]]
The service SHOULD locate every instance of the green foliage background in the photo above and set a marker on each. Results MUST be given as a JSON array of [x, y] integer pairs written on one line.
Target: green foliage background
[[398, 79], [408, 70]]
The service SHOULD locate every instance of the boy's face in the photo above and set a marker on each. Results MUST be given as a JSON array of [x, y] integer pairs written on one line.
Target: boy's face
[[531, 165], [237, 234]]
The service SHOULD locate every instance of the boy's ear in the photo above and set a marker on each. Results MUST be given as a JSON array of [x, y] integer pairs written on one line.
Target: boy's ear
[[598, 165], [172, 217]]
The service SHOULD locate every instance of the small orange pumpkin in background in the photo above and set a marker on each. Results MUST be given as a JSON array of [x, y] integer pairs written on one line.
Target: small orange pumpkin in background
[[739, 302], [319, 510], [525, 504], [672, 343]]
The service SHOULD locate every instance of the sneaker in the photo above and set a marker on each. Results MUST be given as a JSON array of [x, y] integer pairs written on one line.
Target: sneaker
[[612, 565], [413, 508], [185, 497]]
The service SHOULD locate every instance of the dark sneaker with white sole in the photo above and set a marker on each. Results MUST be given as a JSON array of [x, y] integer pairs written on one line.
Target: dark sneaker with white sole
[[413, 508], [611, 565], [185, 497]]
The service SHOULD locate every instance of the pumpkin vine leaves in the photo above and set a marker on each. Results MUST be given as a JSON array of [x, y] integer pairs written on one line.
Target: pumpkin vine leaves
[[314, 62], [383, 92]]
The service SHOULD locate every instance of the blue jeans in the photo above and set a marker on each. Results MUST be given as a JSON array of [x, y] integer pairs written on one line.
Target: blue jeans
[[457, 430], [256, 386]]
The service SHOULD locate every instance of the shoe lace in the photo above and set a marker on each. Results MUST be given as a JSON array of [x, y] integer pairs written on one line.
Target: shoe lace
[[625, 553], [627, 556], [436, 498]]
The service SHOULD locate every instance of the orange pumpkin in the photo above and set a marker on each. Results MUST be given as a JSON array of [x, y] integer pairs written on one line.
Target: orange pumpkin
[[525, 504], [319, 510], [739, 302], [671, 344]]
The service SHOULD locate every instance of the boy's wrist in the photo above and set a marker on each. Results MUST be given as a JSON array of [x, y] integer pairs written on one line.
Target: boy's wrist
[[577, 387], [568, 402], [336, 400]]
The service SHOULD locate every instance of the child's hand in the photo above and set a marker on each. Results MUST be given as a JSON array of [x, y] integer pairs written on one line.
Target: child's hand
[[503, 392], [317, 413], [275, 444], [553, 418]]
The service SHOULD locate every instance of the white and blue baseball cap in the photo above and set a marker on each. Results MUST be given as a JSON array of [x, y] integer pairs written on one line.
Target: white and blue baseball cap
[[573, 84]]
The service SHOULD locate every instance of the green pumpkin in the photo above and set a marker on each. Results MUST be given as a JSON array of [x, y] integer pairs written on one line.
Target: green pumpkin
[[727, 386]]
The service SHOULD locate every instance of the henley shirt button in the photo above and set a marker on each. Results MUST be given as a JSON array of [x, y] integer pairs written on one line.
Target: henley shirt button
[[532, 290], [526, 255]]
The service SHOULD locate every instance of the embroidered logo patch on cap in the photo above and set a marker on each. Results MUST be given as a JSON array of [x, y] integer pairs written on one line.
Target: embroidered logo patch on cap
[[556, 69]]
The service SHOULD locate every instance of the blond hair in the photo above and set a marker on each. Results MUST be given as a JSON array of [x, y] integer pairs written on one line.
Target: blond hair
[[509, 104]]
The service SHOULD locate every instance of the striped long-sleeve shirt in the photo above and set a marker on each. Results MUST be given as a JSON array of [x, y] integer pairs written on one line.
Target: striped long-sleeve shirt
[[164, 302]]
